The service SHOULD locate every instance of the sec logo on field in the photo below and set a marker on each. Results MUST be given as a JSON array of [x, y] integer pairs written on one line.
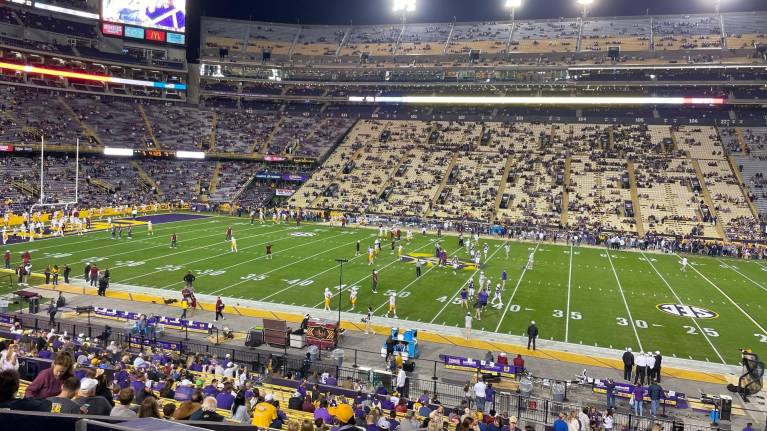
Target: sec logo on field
[[687, 311], [303, 234]]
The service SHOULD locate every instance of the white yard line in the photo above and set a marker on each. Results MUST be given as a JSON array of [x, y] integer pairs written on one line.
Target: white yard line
[[748, 316], [450, 301], [569, 294], [283, 266], [163, 244], [415, 280], [679, 300], [732, 267], [514, 292], [204, 258], [379, 271], [311, 277], [58, 244], [625, 303]]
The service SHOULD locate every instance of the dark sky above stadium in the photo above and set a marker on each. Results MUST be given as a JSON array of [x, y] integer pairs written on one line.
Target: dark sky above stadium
[[379, 11]]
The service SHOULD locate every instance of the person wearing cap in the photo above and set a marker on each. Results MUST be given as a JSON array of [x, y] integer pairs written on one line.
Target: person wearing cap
[[657, 366], [264, 413], [628, 364], [649, 366], [532, 334], [344, 414], [641, 367], [90, 403]]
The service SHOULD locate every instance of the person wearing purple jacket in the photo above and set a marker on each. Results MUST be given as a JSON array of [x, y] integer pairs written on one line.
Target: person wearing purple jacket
[[638, 394], [225, 398], [48, 382], [322, 413]]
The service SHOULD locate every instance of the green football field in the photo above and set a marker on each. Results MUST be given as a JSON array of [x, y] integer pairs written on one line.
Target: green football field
[[579, 295]]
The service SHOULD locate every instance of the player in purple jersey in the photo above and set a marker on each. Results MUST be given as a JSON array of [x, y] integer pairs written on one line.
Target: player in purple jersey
[[464, 298]]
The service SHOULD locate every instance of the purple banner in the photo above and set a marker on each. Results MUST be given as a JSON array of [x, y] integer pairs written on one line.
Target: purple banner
[[468, 364], [168, 322]]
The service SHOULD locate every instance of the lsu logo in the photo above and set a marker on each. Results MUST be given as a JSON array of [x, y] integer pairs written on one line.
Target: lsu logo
[[304, 234], [687, 311]]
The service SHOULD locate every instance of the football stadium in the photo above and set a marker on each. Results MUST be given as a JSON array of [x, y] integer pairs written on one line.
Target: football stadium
[[385, 215]]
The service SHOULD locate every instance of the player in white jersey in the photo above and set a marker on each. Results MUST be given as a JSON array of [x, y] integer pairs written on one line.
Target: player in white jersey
[[481, 279], [497, 295], [233, 245], [328, 297], [485, 249], [507, 248], [471, 288], [353, 297], [477, 259], [530, 262], [684, 264], [392, 305], [409, 235], [456, 265], [5, 236], [380, 231], [149, 228]]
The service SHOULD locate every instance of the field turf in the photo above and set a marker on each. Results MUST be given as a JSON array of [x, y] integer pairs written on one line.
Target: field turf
[[579, 295]]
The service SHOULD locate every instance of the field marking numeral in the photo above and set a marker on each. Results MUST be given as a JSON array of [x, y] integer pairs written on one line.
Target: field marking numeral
[[94, 259], [57, 255], [212, 272], [403, 294], [575, 315], [622, 321], [711, 332], [253, 277], [299, 282], [130, 263], [762, 338], [169, 268]]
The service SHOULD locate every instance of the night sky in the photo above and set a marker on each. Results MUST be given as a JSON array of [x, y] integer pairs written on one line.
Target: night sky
[[379, 11]]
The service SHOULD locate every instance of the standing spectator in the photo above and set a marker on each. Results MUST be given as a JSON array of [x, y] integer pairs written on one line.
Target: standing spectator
[[638, 397], [401, 382], [610, 392], [532, 334], [467, 324], [656, 394], [519, 364], [9, 387], [7, 259], [608, 421], [48, 382], [641, 361], [66, 272], [657, 366], [63, 402], [559, 423], [189, 279], [628, 364], [583, 418], [480, 393], [94, 275], [123, 410], [219, 308]]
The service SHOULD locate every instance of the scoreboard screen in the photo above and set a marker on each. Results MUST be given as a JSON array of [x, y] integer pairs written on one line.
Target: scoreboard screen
[[167, 15]]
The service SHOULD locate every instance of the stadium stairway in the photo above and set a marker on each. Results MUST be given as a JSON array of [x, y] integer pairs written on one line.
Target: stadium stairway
[[148, 125], [707, 197], [145, 176], [565, 192], [635, 197], [87, 129], [742, 185], [445, 178], [264, 147]]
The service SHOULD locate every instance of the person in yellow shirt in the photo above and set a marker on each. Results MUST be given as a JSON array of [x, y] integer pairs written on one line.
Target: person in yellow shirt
[[328, 297], [264, 413], [353, 297]]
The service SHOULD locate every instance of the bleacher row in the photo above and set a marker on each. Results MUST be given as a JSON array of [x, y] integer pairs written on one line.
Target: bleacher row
[[623, 178], [245, 40], [103, 121]]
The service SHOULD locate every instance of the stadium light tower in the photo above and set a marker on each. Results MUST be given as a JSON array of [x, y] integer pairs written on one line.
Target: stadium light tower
[[513, 5], [585, 4], [403, 7]]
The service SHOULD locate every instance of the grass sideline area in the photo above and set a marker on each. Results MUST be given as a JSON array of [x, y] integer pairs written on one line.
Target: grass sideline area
[[580, 295]]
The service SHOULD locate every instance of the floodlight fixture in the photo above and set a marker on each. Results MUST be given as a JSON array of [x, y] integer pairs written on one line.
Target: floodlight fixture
[[404, 6], [513, 5], [585, 4]]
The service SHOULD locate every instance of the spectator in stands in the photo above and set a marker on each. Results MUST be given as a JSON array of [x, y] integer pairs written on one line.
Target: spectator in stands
[[207, 411], [226, 397], [560, 424], [241, 407], [9, 356], [48, 382], [9, 386], [187, 408], [122, 409], [168, 410], [502, 359], [63, 402], [296, 401], [409, 423], [308, 406], [519, 364], [345, 416], [149, 408], [90, 403], [264, 413], [322, 412]]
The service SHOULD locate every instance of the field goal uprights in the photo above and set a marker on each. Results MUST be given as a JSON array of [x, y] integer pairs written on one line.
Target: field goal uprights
[[42, 203]]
